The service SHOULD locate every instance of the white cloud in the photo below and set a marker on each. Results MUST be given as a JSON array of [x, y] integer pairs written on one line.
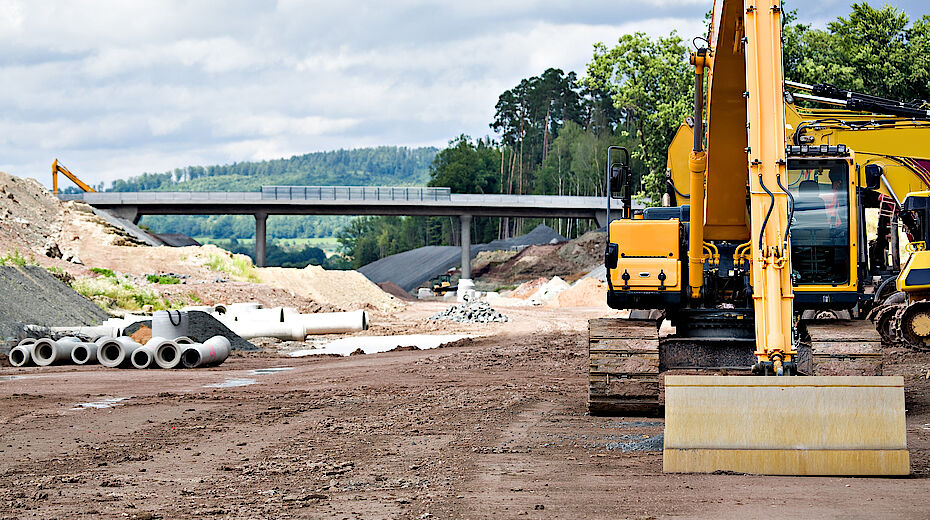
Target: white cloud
[[115, 88]]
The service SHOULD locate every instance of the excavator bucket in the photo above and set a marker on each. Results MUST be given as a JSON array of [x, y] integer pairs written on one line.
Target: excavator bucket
[[818, 425]]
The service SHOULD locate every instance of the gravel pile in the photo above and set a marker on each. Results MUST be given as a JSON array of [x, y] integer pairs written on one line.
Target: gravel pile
[[471, 312]]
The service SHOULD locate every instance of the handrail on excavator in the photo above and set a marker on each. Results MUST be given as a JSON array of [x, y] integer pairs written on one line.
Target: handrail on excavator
[[57, 167]]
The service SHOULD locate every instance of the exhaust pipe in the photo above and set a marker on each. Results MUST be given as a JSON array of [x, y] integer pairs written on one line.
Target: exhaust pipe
[[21, 355], [211, 352], [47, 352], [143, 357], [84, 353], [167, 352], [116, 352]]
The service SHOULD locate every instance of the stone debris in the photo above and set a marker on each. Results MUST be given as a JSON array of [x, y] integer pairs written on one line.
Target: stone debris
[[471, 312]]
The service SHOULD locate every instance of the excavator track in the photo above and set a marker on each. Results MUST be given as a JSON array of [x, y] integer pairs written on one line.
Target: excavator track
[[623, 370], [840, 348]]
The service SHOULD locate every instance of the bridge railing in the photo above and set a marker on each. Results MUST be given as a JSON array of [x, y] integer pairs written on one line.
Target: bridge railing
[[354, 193]]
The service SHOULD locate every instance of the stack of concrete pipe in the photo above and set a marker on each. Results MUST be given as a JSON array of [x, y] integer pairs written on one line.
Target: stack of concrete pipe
[[122, 352]]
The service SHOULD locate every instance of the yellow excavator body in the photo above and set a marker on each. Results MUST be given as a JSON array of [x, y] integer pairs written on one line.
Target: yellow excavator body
[[813, 406]]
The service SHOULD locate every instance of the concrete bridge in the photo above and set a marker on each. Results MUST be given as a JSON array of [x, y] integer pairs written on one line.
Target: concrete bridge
[[345, 200]]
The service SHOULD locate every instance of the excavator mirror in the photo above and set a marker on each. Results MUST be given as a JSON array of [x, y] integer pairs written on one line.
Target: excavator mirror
[[873, 176]]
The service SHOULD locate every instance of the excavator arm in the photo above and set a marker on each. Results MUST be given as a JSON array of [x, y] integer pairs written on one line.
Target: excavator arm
[[56, 168]]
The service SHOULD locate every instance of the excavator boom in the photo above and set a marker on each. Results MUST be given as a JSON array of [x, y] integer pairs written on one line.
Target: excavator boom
[[56, 168]]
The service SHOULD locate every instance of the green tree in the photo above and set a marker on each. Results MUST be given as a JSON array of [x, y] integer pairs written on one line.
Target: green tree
[[650, 83]]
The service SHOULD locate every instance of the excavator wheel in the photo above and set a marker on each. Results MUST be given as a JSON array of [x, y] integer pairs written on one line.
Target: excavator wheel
[[913, 325], [884, 319]]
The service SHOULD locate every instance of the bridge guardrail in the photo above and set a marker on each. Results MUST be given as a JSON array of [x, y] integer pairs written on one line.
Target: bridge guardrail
[[354, 193]]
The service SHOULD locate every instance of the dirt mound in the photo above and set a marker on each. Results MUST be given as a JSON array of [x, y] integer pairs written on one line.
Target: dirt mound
[[347, 290], [32, 296], [587, 292], [396, 290], [527, 289], [568, 260], [31, 218]]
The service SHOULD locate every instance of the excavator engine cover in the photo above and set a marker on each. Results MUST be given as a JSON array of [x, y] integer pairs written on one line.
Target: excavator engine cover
[[818, 425]]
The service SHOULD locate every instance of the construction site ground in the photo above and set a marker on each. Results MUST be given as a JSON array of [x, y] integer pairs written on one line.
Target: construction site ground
[[492, 427]]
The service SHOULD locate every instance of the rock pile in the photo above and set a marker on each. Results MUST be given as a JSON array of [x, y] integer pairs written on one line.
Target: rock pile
[[472, 312]]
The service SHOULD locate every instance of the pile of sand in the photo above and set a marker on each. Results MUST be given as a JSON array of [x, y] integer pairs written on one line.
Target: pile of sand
[[527, 289], [587, 292], [31, 218], [347, 290]]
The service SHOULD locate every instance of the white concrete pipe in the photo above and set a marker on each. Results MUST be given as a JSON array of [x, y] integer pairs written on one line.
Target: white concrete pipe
[[332, 322], [109, 330], [184, 340], [211, 352], [116, 352], [268, 329], [170, 324], [21, 355], [143, 357], [46, 352], [84, 353], [167, 352], [276, 314]]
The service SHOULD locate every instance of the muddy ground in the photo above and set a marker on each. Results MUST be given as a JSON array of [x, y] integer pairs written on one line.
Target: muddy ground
[[494, 427]]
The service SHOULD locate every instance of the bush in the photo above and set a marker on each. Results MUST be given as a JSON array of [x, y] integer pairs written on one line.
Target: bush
[[14, 257], [109, 292], [103, 272], [162, 279]]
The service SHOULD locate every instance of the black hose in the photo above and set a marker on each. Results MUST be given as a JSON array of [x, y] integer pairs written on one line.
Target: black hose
[[767, 215], [790, 205]]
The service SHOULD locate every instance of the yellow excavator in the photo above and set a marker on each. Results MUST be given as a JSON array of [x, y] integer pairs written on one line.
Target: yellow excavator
[[745, 385], [60, 168]]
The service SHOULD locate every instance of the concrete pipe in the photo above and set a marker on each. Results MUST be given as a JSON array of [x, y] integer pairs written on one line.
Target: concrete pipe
[[143, 357], [98, 331], [167, 352], [170, 324], [21, 355], [332, 322], [116, 352], [268, 329], [184, 340], [275, 314], [84, 353], [211, 352], [47, 352]]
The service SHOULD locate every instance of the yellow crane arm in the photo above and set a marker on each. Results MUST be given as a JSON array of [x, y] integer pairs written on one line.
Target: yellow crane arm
[[57, 167]]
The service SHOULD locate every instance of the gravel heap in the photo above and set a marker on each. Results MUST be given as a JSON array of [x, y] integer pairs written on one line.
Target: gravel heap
[[472, 312]]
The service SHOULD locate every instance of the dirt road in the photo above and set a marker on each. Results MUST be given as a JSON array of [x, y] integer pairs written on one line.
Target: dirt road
[[491, 428]]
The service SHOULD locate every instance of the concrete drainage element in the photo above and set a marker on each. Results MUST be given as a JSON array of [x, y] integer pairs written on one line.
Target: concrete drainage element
[[184, 340], [21, 355], [116, 352], [99, 331], [211, 352], [46, 352], [143, 357], [167, 352], [84, 353], [295, 326], [170, 324]]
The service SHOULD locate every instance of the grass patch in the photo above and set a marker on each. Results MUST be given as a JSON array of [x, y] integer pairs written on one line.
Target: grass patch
[[108, 292], [103, 272], [14, 257], [194, 298], [236, 266], [162, 279]]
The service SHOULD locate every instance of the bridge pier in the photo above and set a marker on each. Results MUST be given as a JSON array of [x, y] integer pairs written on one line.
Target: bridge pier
[[260, 219], [465, 226]]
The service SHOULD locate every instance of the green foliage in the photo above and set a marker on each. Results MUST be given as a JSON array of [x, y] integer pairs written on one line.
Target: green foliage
[[467, 167], [238, 267], [650, 83], [14, 257], [873, 51], [194, 298], [109, 292], [103, 272], [277, 255], [162, 279]]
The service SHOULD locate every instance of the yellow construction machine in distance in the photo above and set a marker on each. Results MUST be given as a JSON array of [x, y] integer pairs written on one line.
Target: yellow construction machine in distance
[[58, 167], [722, 270]]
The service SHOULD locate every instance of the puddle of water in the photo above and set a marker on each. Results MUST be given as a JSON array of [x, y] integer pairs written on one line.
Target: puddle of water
[[9, 378], [265, 371], [106, 403], [229, 383]]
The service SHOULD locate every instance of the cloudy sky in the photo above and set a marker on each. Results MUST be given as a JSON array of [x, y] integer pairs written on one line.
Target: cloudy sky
[[115, 88]]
